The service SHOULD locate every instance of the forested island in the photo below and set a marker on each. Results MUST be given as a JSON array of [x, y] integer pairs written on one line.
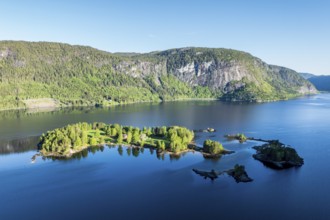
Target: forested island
[[64, 142]]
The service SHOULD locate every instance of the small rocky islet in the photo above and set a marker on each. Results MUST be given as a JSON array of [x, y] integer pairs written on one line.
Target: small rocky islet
[[272, 153], [238, 173], [207, 130], [277, 155]]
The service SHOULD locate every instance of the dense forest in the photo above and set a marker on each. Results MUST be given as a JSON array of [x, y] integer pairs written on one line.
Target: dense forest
[[80, 75], [76, 137]]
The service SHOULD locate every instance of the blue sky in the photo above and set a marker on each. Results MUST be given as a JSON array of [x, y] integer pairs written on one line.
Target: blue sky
[[291, 33]]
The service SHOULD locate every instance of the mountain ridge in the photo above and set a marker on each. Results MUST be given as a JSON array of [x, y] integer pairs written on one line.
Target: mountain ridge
[[82, 75], [307, 75]]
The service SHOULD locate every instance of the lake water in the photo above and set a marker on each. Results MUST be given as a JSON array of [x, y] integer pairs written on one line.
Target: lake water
[[116, 183]]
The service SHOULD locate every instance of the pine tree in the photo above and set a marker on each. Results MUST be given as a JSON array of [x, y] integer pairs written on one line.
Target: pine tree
[[120, 137], [92, 141], [77, 143], [97, 133], [101, 140], [129, 137], [136, 136], [84, 137]]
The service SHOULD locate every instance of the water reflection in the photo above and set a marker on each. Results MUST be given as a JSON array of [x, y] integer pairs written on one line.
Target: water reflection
[[79, 155], [130, 152], [39, 112], [23, 113], [120, 150], [212, 158], [193, 114], [18, 145], [111, 182]]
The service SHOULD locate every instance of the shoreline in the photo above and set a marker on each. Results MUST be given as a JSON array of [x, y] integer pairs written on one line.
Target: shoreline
[[162, 101], [192, 148]]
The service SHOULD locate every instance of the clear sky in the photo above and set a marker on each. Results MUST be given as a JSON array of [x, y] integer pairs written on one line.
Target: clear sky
[[290, 33]]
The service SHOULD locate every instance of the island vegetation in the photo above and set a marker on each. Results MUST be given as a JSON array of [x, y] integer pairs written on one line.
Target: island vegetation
[[71, 139], [75, 140], [63, 142], [212, 147]]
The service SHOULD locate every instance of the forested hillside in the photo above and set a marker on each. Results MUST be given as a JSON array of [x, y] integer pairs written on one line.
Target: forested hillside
[[79, 75]]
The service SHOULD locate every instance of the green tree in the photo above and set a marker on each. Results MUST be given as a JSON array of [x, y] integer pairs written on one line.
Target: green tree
[[114, 132], [93, 141], [129, 137], [161, 145], [149, 132], [107, 130], [136, 136], [212, 147], [120, 136], [162, 131], [97, 133], [78, 143], [101, 139], [72, 133], [84, 137]]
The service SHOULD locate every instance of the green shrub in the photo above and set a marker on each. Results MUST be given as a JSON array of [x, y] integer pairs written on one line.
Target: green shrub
[[212, 147]]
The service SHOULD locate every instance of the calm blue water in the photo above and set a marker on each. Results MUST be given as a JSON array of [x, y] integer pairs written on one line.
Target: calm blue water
[[137, 185]]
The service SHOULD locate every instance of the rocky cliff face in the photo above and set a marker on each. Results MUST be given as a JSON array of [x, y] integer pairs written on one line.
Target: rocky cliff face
[[215, 75], [218, 69]]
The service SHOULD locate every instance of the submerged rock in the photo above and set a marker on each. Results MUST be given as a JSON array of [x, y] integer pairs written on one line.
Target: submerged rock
[[207, 130], [208, 174], [34, 157], [276, 155]]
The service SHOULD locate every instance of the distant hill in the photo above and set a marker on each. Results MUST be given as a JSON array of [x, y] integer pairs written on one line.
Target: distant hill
[[64, 75], [322, 83], [307, 75]]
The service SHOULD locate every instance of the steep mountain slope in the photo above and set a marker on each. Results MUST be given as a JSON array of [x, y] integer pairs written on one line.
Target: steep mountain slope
[[78, 75]]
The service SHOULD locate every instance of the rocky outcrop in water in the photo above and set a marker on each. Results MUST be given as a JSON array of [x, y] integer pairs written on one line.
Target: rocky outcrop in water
[[276, 155], [238, 173]]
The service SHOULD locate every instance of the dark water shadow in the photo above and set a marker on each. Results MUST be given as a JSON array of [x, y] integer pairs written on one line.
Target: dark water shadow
[[18, 145]]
